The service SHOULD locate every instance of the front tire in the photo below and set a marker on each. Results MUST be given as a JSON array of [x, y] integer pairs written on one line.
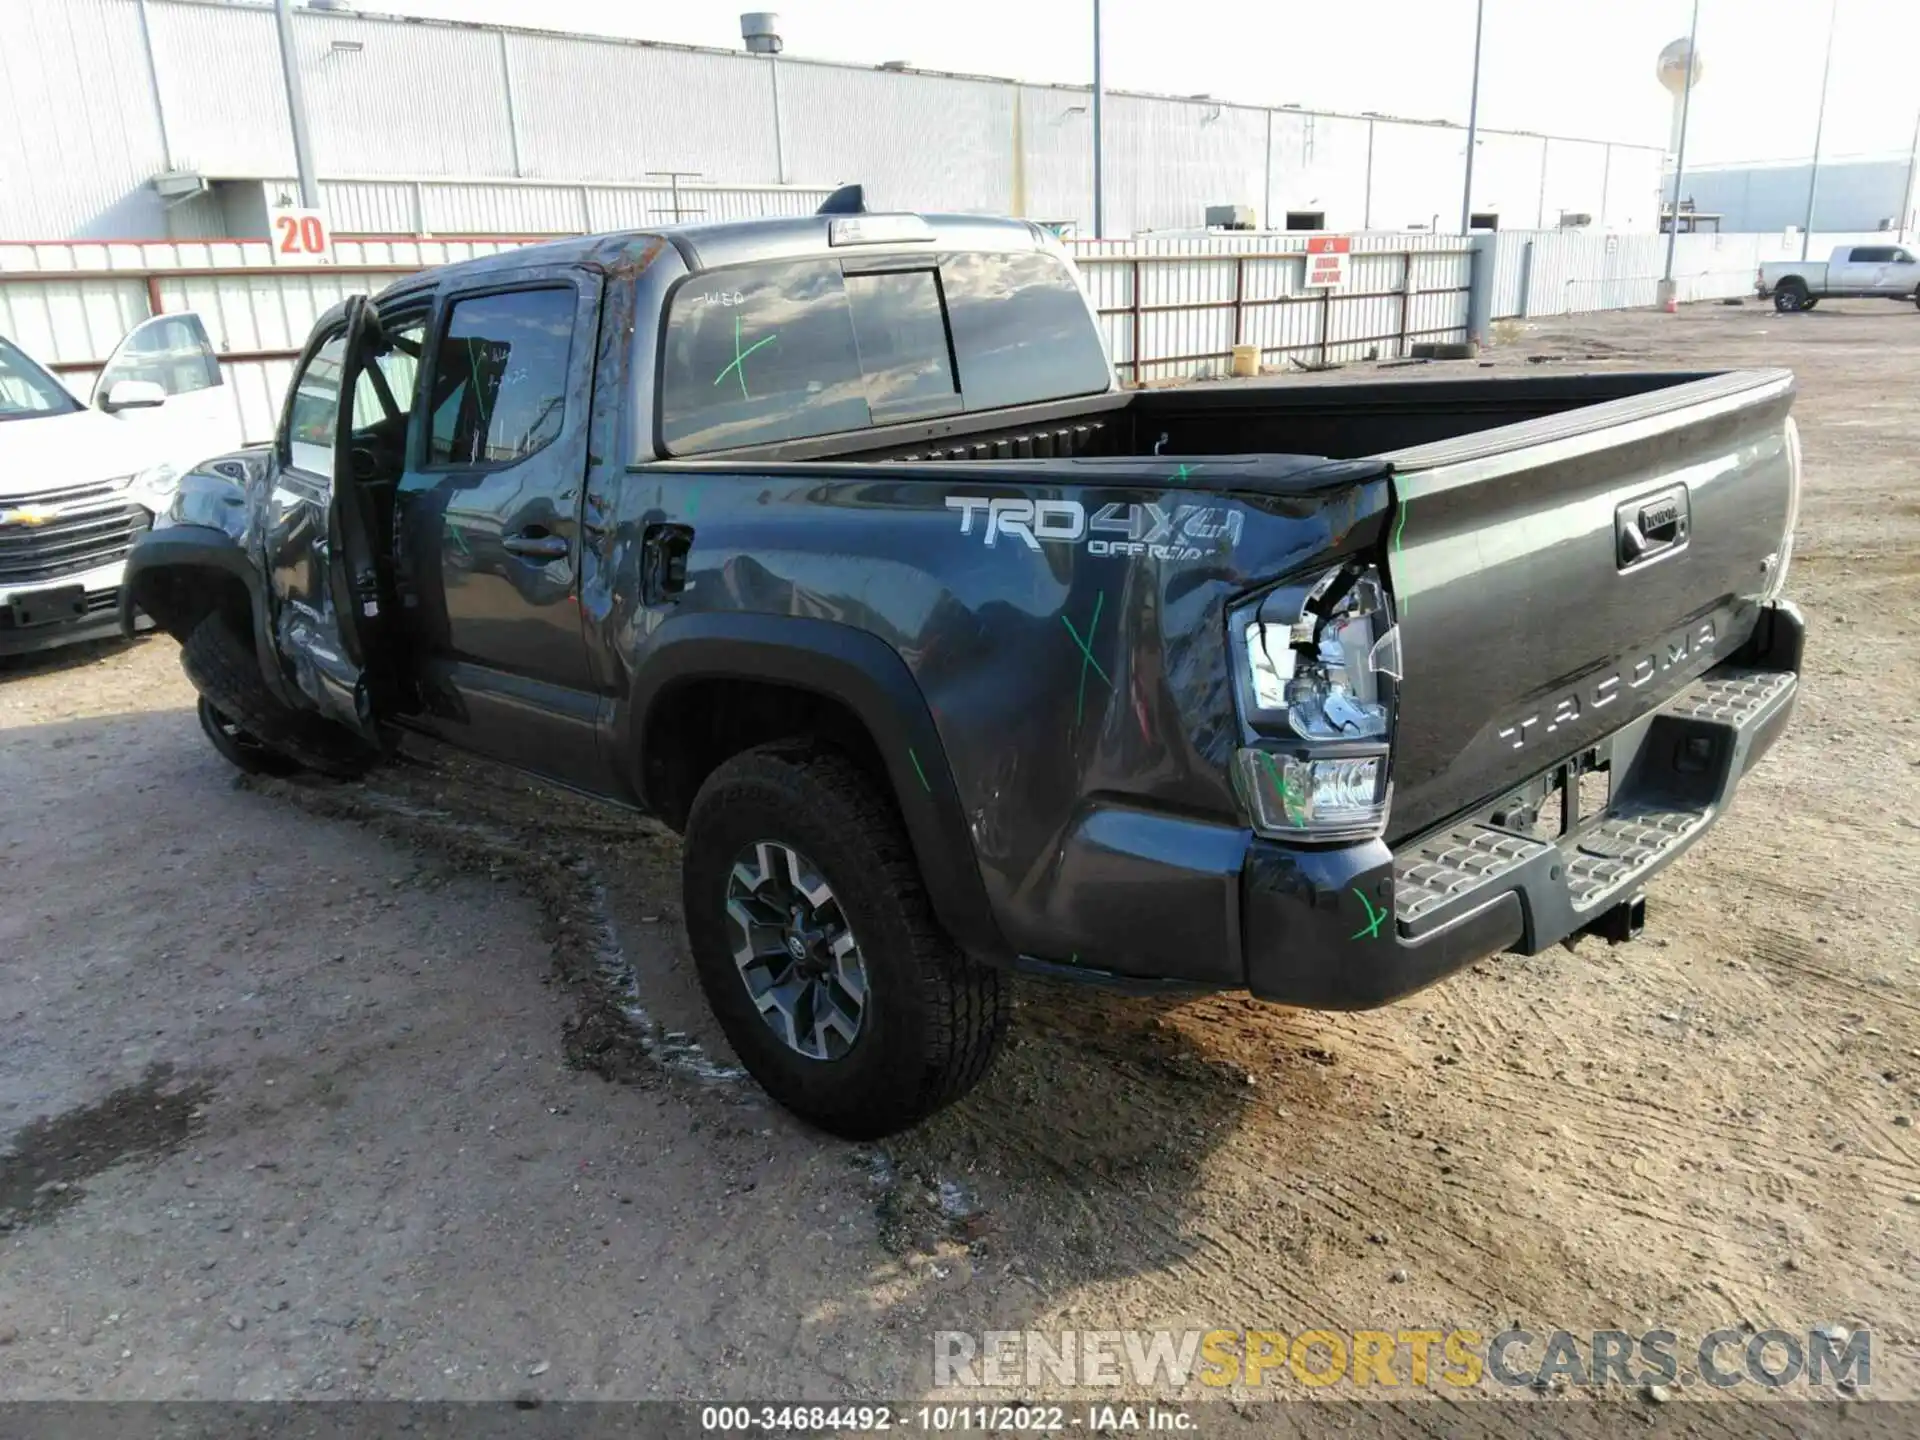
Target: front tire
[[241, 748], [223, 668], [818, 949]]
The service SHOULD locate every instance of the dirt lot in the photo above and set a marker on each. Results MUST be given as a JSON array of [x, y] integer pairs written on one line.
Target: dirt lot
[[330, 1091]]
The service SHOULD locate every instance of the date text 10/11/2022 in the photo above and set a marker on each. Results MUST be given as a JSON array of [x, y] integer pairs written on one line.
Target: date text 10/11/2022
[[941, 1419]]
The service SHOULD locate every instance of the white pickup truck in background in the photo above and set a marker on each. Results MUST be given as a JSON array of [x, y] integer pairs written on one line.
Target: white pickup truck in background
[[79, 483], [1865, 272]]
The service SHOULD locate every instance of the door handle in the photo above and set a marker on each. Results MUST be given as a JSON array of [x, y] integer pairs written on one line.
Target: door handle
[[536, 547]]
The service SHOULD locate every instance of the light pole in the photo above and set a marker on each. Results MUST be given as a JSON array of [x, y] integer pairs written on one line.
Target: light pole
[[296, 106], [1906, 191], [1819, 124], [1666, 293], [1099, 194], [1473, 121]]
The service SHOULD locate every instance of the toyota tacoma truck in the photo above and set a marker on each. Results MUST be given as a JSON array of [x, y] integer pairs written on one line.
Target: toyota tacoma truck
[[1855, 272], [832, 543]]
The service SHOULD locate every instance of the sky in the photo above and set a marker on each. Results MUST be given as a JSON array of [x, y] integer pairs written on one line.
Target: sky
[[1581, 68]]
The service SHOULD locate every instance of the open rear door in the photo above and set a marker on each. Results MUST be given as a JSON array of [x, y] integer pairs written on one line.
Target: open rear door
[[324, 555]]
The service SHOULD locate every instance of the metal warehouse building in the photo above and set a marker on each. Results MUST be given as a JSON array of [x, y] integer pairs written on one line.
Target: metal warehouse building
[[168, 118], [1852, 194]]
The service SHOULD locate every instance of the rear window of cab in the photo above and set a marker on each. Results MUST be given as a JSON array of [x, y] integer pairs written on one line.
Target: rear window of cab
[[754, 354]]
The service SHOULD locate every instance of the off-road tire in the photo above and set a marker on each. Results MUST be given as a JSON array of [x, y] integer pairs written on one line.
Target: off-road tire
[[933, 1018], [223, 668], [240, 747], [1789, 296]]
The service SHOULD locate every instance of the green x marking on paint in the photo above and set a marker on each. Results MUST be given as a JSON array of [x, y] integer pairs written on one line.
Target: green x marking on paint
[[1375, 918], [460, 540], [918, 771], [1086, 655], [1180, 476], [738, 364]]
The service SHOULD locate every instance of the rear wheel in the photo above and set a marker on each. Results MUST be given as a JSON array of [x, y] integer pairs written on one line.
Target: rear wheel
[[819, 952], [221, 664], [1790, 296]]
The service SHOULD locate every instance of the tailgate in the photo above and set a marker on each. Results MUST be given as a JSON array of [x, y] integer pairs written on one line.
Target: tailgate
[[1557, 579]]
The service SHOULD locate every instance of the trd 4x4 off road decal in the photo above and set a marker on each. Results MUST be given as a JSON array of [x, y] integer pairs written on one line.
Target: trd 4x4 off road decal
[[1188, 532]]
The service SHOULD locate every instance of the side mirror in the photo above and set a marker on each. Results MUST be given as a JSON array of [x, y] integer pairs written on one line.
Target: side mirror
[[132, 395]]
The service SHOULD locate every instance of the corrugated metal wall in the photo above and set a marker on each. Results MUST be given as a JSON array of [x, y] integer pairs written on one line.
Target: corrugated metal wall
[[896, 135], [411, 100], [393, 99], [221, 86], [1320, 163], [595, 110], [81, 136], [1570, 272], [1853, 193]]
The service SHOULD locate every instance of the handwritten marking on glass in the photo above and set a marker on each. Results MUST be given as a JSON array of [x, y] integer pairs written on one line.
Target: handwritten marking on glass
[[737, 365]]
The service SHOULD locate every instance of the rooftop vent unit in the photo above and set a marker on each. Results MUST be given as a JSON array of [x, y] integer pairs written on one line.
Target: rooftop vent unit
[[1230, 217], [761, 30], [895, 64]]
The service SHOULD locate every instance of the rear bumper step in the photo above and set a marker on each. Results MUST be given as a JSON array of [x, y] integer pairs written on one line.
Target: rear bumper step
[[1680, 770], [1351, 928], [1681, 764]]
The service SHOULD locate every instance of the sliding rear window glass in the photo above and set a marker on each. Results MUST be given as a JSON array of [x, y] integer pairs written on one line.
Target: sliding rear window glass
[[758, 354]]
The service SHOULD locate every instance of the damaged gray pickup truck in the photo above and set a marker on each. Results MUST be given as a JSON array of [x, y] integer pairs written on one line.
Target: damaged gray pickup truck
[[832, 543]]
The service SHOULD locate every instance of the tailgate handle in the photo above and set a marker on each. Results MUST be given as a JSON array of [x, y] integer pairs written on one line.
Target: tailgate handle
[[1651, 526]]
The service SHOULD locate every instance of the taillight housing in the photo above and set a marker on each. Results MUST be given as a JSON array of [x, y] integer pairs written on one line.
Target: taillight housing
[[1317, 673]]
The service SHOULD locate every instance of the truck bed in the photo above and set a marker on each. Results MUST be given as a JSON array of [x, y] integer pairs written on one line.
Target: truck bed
[[1345, 419]]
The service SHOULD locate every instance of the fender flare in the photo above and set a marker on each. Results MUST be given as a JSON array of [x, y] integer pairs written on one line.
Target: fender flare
[[861, 671], [203, 547]]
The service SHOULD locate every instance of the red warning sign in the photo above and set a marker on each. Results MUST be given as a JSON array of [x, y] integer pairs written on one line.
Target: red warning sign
[[1327, 261]]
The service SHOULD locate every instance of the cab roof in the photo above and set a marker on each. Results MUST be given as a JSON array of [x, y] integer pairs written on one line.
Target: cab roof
[[709, 245]]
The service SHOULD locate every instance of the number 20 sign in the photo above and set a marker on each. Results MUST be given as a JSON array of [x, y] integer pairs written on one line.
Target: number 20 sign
[[299, 237]]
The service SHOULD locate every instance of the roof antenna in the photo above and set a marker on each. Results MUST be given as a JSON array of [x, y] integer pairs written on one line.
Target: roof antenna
[[847, 200]]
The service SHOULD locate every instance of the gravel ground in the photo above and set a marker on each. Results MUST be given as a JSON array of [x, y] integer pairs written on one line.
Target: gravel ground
[[404, 1089]]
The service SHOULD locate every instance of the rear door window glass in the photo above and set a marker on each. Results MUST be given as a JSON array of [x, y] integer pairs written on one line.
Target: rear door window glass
[[500, 377]]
